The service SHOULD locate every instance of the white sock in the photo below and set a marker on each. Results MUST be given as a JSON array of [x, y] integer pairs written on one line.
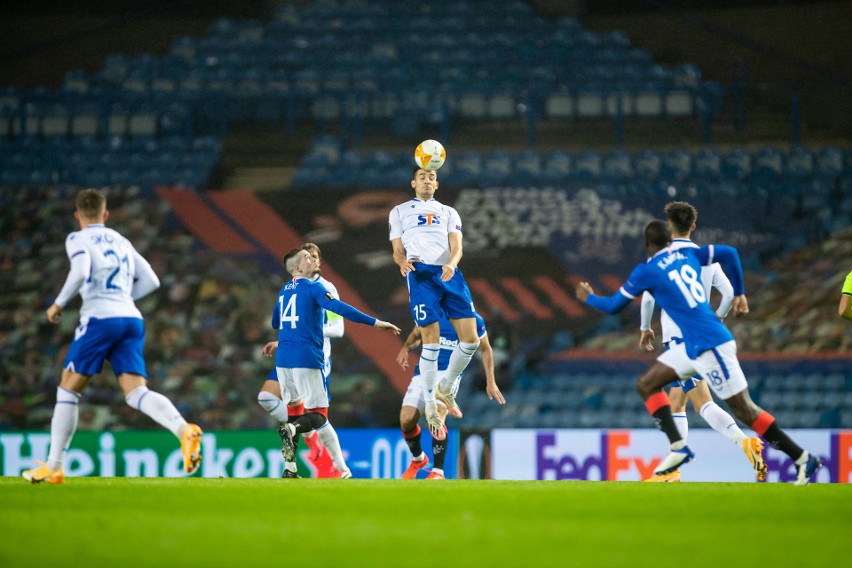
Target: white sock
[[420, 458], [329, 439], [429, 370], [458, 363], [437, 470], [291, 466], [682, 424], [803, 459], [722, 422], [273, 405], [158, 407], [62, 426]]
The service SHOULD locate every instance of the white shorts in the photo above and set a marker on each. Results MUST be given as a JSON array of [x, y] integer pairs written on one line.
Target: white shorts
[[305, 385], [719, 367], [414, 394]]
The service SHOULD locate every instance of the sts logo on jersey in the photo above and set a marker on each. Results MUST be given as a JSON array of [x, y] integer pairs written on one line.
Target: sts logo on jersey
[[428, 219]]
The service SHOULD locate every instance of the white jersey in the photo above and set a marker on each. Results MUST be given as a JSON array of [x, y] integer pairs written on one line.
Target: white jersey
[[104, 270], [424, 227], [712, 276]]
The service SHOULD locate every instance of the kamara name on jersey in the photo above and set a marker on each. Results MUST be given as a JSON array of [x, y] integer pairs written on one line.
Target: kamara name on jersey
[[669, 259]]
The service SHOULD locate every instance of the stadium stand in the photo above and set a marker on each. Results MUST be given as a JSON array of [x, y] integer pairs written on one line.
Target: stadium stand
[[144, 122]]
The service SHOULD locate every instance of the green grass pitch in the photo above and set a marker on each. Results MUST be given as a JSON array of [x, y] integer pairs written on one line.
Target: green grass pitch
[[343, 523]]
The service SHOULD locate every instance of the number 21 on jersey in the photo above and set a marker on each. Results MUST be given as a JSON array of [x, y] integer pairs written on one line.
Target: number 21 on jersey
[[288, 312]]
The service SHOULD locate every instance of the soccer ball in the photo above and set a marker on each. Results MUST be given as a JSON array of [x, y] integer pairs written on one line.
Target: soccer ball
[[430, 155]]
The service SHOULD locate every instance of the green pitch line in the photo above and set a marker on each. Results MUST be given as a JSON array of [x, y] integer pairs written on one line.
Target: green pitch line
[[315, 522]]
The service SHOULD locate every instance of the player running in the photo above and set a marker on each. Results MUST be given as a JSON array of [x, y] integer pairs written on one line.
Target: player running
[[708, 347], [682, 218], [109, 275]]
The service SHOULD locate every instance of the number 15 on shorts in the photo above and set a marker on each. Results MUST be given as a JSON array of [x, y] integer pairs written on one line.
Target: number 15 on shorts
[[420, 312]]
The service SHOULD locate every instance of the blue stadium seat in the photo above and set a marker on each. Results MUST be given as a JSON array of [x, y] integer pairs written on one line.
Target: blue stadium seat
[[496, 168], [707, 164], [647, 164], [527, 168], [617, 165], [587, 165], [768, 163], [736, 164], [677, 164], [687, 75], [799, 162], [556, 167], [829, 162]]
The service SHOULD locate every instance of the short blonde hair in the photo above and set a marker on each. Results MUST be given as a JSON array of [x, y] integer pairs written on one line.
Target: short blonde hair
[[91, 203]]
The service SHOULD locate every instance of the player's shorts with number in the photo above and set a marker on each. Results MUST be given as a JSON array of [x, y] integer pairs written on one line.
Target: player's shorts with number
[[429, 295], [718, 367], [118, 340]]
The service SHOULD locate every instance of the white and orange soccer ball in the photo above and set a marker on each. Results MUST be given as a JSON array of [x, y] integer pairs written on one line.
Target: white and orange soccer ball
[[430, 155]]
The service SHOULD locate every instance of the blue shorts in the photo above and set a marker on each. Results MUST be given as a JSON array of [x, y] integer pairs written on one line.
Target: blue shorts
[[118, 340], [429, 296]]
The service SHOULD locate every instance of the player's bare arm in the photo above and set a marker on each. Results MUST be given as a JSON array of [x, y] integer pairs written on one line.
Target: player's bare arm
[[399, 257], [646, 339], [411, 343], [844, 308], [487, 353], [584, 290], [387, 326], [269, 349], [54, 313], [449, 269]]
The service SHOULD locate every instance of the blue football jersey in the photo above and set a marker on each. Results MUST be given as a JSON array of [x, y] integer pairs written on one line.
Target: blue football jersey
[[674, 279], [298, 317]]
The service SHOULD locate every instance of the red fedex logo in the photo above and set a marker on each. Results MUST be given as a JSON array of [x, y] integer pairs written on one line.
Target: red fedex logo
[[618, 464]]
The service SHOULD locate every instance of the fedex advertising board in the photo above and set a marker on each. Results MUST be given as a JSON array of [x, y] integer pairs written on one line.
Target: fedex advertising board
[[631, 455]]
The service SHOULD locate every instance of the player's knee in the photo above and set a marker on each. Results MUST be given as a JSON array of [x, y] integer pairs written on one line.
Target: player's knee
[[267, 401], [408, 417], [316, 419]]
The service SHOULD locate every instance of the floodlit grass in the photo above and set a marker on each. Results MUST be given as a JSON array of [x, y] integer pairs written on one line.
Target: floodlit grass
[[312, 522]]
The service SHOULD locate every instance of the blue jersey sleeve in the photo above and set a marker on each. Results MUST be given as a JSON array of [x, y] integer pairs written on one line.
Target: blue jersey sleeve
[[628, 291], [729, 258], [328, 302], [609, 304]]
